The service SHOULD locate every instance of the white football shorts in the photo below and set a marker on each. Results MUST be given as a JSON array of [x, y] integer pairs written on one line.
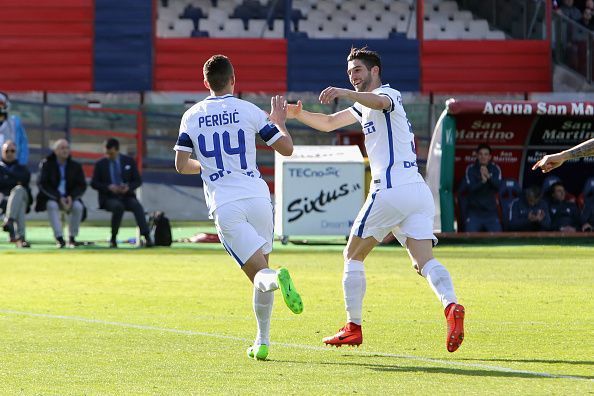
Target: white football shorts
[[407, 211], [244, 226]]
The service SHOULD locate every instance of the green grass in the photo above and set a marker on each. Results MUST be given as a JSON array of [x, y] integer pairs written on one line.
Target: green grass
[[178, 321]]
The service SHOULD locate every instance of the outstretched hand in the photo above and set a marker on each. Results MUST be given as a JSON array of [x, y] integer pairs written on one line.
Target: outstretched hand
[[278, 110], [329, 94], [293, 110], [549, 162]]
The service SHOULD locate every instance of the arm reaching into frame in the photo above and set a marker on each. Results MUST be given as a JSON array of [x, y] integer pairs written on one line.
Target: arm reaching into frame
[[552, 161]]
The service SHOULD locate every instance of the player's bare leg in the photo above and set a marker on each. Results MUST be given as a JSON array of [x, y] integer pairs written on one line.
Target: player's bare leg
[[353, 284], [266, 281], [438, 277]]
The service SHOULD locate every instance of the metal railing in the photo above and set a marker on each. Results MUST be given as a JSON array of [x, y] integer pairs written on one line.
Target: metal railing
[[573, 45]]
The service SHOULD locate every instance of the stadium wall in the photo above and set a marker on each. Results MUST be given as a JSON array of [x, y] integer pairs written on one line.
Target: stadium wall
[[123, 48], [260, 64], [46, 46], [468, 66], [319, 63]]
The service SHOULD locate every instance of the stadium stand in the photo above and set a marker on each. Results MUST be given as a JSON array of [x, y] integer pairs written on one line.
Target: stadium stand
[[320, 19], [123, 45], [46, 47], [263, 68]]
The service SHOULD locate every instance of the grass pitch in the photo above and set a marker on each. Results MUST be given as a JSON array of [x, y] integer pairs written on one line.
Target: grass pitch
[[178, 321]]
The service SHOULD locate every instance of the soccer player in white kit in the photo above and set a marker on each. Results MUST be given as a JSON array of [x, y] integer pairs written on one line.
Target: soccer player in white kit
[[221, 131], [399, 200]]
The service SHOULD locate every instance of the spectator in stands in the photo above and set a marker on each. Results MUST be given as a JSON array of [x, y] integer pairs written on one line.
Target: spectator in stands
[[587, 216], [483, 179], [116, 178], [15, 196], [587, 18], [569, 10], [11, 128], [530, 212], [61, 186], [565, 215]]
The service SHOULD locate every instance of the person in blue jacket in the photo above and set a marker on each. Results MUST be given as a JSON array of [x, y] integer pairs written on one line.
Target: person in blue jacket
[[11, 128], [530, 212], [565, 215], [483, 179]]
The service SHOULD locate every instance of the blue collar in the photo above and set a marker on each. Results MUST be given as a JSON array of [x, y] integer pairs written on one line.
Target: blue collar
[[219, 97]]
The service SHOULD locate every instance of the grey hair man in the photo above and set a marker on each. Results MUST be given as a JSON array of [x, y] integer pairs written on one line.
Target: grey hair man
[[61, 185]]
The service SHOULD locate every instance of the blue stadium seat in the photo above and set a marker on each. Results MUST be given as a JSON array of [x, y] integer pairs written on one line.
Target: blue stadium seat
[[193, 13], [588, 191], [510, 189], [547, 184]]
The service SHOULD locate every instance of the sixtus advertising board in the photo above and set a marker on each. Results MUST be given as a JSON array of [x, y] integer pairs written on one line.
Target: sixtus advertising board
[[320, 190], [520, 133]]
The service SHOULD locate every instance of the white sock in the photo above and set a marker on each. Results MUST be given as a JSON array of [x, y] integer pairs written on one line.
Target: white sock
[[440, 281], [266, 280], [263, 309], [353, 286]]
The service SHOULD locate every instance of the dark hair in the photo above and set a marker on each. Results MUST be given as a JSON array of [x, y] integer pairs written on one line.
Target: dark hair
[[532, 191], [218, 70], [552, 188], [483, 146], [112, 143], [368, 58]]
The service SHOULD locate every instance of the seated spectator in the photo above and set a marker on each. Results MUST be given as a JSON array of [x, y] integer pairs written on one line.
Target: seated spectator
[[530, 212], [565, 215], [587, 216], [483, 179], [61, 186], [587, 19], [11, 128], [15, 196], [116, 178], [569, 10]]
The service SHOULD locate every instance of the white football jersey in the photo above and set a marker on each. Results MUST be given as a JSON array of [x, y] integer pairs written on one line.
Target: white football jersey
[[389, 141], [221, 131]]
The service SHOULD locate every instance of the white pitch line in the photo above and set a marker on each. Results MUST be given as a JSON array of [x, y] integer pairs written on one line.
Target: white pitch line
[[296, 346]]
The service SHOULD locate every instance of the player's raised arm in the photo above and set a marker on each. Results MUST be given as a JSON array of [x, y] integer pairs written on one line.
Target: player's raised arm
[[366, 99], [319, 121], [185, 165], [278, 116], [552, 161]]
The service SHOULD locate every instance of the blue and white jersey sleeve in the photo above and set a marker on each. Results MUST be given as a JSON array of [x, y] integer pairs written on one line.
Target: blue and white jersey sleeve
[[390, 94], [267, 130], [184, 142], [357, 110]]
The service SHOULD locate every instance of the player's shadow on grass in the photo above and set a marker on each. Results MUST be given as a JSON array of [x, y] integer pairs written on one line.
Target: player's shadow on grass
[[551, 361], [439, 370]]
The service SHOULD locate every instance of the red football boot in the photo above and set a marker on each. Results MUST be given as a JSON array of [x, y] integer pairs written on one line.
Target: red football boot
[[350, 334], [455, 317]]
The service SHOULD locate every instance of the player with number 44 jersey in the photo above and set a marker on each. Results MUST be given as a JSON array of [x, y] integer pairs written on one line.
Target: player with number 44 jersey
[[221, 130]]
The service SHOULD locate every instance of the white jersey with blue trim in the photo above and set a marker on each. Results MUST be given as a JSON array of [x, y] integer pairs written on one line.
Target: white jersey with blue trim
[[389, 141], [221, 131]]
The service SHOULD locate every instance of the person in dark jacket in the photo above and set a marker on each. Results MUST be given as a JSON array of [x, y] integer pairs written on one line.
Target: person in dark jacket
[[587, 216], [565, 215], [116, 178], [483, 179], [15, 196], [61, 187], [530, 212]]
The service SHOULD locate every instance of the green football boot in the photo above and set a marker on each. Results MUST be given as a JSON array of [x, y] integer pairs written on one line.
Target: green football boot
[[261, 352], [290, 295]]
